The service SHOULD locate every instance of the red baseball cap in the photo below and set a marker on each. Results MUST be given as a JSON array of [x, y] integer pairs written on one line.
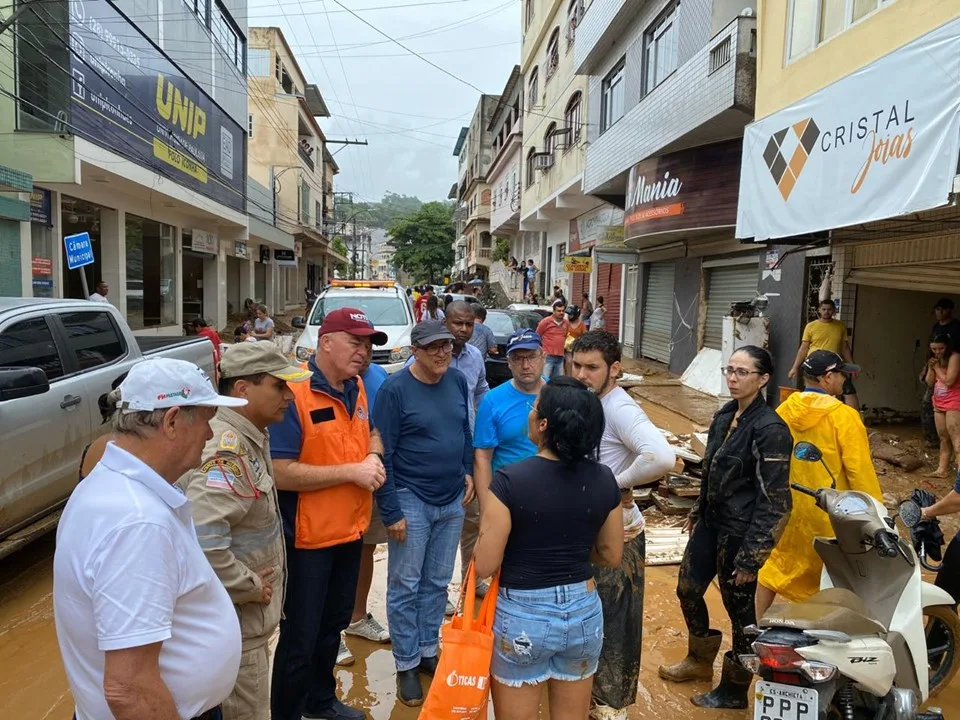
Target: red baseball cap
[[352, 321]]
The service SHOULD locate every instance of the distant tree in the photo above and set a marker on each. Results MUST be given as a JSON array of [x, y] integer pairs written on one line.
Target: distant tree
[[423, 242], [501, 250], [340, 247], [384, 214]]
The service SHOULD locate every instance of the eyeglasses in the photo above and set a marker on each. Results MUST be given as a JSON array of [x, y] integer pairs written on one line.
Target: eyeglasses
[[739, 372], [524, 359], [440, 349]]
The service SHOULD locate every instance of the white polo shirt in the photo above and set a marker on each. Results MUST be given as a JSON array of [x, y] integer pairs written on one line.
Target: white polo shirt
[[128, 571]]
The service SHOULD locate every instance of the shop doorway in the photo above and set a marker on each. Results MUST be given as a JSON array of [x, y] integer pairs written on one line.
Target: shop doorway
[[726, 285], [235, 267], [630, 311], [656, 332], [81, 216]]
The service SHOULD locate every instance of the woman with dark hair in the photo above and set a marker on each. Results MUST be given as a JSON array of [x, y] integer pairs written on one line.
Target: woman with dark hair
[[743, 507], [108, 406], [943, 375], [431, 310], [545, 519]]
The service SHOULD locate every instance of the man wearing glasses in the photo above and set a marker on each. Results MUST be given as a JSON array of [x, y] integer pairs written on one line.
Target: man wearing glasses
[[816, 415], [500, 435], [423, 416], [235, 510]]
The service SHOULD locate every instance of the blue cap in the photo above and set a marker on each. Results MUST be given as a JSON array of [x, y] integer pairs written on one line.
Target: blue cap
[[523, 340]]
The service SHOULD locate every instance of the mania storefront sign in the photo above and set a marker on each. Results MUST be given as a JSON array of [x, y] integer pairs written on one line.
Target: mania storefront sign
[[878, 143], [692, 189], [128, 97]]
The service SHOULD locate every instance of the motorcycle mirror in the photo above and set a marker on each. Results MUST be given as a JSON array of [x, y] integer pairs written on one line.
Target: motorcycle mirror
[[808, 452], [910, 513]]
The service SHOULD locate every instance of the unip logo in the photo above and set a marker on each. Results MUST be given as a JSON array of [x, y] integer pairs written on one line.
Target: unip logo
[[787, 153]]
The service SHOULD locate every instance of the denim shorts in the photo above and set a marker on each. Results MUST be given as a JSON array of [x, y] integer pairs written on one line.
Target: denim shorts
[[548, 634]]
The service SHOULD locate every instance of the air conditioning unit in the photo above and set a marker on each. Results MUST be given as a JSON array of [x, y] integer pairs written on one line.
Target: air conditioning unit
[[543, 161]]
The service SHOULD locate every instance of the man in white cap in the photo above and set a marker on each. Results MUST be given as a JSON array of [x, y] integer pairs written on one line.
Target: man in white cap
[[236, 513], [145, 627]]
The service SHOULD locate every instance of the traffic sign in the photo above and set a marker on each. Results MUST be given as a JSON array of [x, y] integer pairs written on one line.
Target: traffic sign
[[79, 250]]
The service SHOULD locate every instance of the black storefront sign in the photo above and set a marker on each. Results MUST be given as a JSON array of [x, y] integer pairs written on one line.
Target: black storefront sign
[[40, 207], [285, 258], [129, 98]]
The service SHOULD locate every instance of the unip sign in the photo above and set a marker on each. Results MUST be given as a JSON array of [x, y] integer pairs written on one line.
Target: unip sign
[[79, 250]]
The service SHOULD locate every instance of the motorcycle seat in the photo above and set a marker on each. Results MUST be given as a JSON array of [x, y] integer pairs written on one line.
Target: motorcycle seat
[[832, 609]]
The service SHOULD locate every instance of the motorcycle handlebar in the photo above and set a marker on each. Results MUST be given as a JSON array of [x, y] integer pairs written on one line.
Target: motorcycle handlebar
[[886, 545], [804, 490]]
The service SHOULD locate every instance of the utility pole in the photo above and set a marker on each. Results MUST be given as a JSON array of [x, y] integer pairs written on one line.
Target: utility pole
[[347, 142]]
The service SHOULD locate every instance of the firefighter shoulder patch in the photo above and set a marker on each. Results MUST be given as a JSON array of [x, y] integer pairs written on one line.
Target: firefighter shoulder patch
[[222, 464], [229, 440]]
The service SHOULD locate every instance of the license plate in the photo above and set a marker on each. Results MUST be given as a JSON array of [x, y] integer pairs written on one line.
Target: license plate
[[785, 702]]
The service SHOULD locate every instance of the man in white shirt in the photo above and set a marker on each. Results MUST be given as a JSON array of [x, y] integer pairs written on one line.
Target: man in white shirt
[[101, 293], [638, 454], [145, 627]]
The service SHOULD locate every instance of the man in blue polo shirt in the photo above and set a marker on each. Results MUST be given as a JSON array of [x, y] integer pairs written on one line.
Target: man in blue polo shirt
[[500, 431]]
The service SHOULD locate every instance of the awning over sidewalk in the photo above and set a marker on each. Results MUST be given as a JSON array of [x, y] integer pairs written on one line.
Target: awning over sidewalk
[[275, 236]]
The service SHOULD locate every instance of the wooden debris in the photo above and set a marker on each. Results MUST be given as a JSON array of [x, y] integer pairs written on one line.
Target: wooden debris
[[889, 448], [672, 504], [665, 545], [698, 443]]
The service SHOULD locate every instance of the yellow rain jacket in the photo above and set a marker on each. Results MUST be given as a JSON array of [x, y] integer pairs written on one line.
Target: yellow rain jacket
[[793, 568]]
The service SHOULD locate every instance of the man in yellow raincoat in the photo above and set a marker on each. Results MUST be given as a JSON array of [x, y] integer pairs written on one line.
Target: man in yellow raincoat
[[815, 415]]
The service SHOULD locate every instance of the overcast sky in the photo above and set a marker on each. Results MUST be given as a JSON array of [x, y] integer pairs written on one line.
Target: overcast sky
[[409, 112]]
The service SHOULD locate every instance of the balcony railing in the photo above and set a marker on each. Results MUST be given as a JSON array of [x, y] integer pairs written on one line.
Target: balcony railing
[[305, 156]]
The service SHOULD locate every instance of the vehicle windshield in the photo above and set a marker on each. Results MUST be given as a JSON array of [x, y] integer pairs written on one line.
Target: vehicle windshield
[[501, 323], [381, 311]]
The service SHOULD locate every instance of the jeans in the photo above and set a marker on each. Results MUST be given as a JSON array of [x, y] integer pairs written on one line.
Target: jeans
[[553, 367], [418, 572], [321, 587], [711, 554]]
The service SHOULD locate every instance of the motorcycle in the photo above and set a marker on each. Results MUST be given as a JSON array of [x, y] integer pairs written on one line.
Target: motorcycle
[[858, 648]]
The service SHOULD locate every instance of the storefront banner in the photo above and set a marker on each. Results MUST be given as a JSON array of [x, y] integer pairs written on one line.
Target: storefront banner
[[878, 143], [600, 226], [204, 242], [40, 207], [688, 190], [577, 264], [285, 258], [128, 97], [41, 266]]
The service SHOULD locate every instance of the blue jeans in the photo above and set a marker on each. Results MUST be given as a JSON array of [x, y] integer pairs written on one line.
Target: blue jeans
[[553, 367], [418, 572], [553, 633]]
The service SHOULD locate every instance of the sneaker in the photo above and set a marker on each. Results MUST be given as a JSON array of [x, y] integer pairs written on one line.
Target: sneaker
[[598, 711], [450, 609], [369, 629], [344, 656]]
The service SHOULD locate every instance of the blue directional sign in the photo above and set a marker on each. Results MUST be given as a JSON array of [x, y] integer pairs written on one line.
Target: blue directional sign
[[79, 250]]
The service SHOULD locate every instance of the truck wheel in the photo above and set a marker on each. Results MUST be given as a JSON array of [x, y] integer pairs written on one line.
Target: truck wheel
[[942, 630]]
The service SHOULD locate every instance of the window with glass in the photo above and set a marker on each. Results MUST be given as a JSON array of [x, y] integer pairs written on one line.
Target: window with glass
[[550, 138], [528, 14], [43, 247], [42, 85], [553, 53], [812, 22], [660, 48], [572, 117], [93, 338], [258, 62], [30, 343], [228, 37], [530, 160], [198, 8], [151, 273], [386, 310], [611, 96], [574, 12], [533, 88]]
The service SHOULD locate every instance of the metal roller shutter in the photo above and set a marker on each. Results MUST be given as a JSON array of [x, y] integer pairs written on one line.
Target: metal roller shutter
[[736, 283], [658, 312]]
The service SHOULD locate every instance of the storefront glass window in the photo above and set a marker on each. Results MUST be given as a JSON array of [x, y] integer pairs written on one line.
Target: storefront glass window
[[42, 245], [78, 216], [151, 273]]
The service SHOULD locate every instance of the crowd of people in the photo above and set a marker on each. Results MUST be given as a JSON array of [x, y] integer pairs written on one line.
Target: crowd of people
[[208, 519]]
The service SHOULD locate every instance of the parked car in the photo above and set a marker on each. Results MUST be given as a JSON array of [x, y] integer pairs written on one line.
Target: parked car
[[504, 323], [385, 304], [472, 299], [540, 310], [57, 357]]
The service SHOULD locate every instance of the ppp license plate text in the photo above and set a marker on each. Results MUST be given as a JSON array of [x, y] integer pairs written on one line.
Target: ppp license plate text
[[785, 702]]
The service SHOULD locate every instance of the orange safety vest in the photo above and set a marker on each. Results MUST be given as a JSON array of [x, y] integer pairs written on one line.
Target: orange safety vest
[[341, 513]]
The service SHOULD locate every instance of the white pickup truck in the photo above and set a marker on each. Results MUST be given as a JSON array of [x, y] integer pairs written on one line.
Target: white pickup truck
[[57, 357]]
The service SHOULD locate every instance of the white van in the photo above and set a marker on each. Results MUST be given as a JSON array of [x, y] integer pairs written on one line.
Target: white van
[[383, 302]]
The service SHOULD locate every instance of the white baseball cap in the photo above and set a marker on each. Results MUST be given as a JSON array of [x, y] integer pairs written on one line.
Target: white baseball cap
[[161, 383]]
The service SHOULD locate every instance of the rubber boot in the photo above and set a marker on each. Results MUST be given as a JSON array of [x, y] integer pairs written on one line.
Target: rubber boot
[[732, 691], [698, 664]]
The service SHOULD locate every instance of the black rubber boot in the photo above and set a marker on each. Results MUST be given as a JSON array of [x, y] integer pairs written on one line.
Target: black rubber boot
[[428, 665], [733, 689], [409, 689]]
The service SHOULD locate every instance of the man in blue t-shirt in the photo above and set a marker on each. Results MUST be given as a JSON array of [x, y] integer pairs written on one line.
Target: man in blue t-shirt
[[500, 430]]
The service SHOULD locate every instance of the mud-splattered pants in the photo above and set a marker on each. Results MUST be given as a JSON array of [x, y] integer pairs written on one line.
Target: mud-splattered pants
[[621, 593], [711, 554], [927, 421]]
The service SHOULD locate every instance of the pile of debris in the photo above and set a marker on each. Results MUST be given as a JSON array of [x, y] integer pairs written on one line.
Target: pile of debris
[[666, 505]]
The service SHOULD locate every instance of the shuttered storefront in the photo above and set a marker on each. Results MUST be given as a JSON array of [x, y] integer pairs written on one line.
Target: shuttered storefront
[[579, 285], [657, 327], [726, 285], [608, 287]]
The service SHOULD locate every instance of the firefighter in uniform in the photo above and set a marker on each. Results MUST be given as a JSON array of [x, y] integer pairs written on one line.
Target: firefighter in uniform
[[236, 514]]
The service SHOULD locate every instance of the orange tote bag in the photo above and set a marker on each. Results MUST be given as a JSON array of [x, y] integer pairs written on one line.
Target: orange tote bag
[[461, 687]]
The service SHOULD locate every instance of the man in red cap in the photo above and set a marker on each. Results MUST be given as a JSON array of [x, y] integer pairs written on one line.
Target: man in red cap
[[327, 462]]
